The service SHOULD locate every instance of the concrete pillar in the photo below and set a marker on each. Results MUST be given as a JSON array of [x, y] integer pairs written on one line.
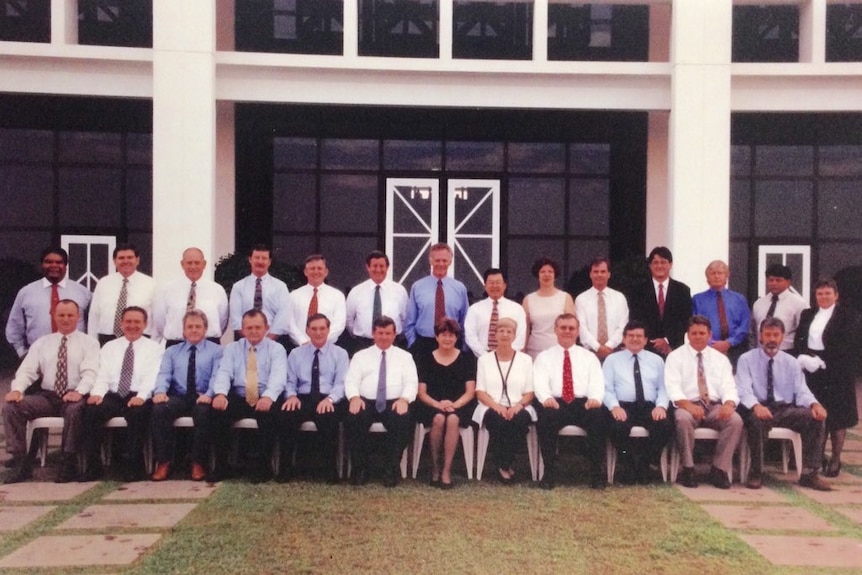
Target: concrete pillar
[[698, 202], [64, 21], [184, 134], [812, 31], [540, 31]]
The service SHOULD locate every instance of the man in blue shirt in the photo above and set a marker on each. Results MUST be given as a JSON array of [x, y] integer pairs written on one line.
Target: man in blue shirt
[[431, 298], [248, 384], [773, 393], [261, 291], [727, 312], [315, 392], [31, 315], [635, 395], [183, 382]]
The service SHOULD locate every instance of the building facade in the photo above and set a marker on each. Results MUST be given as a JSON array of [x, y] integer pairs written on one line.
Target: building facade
[[724, 129]]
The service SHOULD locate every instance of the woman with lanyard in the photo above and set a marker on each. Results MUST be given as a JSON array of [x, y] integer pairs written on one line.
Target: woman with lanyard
[[504, 388]]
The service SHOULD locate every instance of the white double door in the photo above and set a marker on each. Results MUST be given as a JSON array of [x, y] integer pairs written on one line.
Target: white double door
[[417, 214]]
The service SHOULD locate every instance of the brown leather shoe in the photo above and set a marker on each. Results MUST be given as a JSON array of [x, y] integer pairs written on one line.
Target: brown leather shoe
[[198, 472], [162, 470], [813, 481], [754, 482]]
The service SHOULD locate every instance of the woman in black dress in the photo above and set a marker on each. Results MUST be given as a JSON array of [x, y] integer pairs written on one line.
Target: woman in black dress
[[447, 386], [826, 345]]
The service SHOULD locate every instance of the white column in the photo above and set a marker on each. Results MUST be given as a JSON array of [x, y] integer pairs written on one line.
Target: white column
[[540, 30], [658, 227], [447, 17], [698, 207], [64, 21], [350, 32], [812, 31], [184, 134], [225, 204]]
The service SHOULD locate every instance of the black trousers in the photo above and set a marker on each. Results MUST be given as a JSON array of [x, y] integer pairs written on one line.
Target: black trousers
[[264, 438], [327, 427], [137, 418], [506, 435], [399, 428], [594, 421], [163, 433], [660, 432]]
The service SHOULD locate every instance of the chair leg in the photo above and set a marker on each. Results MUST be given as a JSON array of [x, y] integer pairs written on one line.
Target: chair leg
[[418, 441], [467, 443], [481, 451], [611, 460]]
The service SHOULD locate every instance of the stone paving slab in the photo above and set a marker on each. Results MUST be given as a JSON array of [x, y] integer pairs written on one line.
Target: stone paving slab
[[854, 513], [736, 494], [767, 517], [156, 515], [78, 550], [12, 518], [840, 494], [807, 551], [43, 491], [162, 490], [851, 458]]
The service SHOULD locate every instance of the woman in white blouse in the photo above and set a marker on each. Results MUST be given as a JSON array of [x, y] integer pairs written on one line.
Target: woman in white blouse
[[827, 345], [504, 388]]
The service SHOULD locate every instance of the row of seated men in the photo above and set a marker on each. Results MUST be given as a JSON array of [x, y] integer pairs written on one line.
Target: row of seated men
[[255, 378]]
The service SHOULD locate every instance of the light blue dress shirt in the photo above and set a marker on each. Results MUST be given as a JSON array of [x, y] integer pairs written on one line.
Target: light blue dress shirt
[[175, 367], [333, 362], [271, 369], [420, 308], [619, 375]]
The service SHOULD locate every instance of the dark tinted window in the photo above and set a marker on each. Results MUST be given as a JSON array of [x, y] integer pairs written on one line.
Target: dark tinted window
[[25, 21], [116, 23], [765, 34], [290, 26], [492, 30], [399, 28], [598, 32]]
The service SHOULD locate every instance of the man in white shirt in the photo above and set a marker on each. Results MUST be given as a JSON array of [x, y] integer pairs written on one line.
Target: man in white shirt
[[316, 297], [699, 381], [570, 387], [480, 325], [602, 312], [172, 301], [376, 296], [65, 362], [128, 367], [380, 385], [782, 302], [117, 291], [261, 291]]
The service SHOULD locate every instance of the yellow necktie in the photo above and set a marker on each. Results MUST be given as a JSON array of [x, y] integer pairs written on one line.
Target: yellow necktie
[[251, 392]]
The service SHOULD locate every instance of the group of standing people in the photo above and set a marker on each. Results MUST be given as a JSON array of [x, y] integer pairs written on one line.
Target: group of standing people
[[596, 361]]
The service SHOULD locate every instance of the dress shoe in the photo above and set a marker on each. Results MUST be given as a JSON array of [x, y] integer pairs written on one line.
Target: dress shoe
[[446, 486], [68, 471], [832, 470], [22, 473], [813, 481], [13, 462], [435, 483], [284, 475], [390, 479], [546, 483], [754, 481], [199, 472], [686, 477], [162, 470], [718, 478], [598, 481], [260, 471], [132, 469]]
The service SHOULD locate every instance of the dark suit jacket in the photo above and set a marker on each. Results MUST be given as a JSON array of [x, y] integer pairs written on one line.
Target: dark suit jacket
[[643, 306], [840, 342]]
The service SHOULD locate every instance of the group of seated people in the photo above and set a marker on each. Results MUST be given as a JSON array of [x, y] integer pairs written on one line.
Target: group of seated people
[[605, 362]]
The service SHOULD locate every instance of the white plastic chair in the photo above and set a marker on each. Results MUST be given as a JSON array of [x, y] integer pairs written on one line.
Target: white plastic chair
[[467, 441], [565, 431], [484, 438], [39, 424], [781, 433]]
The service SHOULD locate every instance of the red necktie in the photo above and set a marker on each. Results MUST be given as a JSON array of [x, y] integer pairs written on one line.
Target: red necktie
[[439, 303], [722, 316], [568, 381], [312, 305], [661, 300], [55, 299]]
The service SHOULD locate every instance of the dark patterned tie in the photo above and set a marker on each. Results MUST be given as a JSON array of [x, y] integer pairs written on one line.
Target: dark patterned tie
[[702, 389], [602, 330], [377, 309], [126, 371], [258, 295], [492, 327], [312, 305], [192, 374], [439, 303], [380, 400], [568, 380], [315, 379], [771, 311], [121, 306], [639, 382], [722, 316], [55, 299], [61, 382], [770, 383]]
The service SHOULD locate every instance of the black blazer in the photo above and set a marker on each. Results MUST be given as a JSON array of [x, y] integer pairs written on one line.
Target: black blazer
[[643, 306], [840, 342]]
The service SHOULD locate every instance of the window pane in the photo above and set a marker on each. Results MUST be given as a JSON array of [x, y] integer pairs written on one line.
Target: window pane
[[139, 148], [537, 157], [294, 204], [26, 145], [401, 28], [348, 204], [492, 30], [25, 246], [740, 160], [291, 249], [294, 153], [738, 263], [28, 194], [91, 147], [474, 155], [358, 154], [843, 33], [412, 155], [144, 243], [478, 251], [294, 26], [765, 34], [783, 208], [784, 160], [522, 254], [90, 197], [139, 197], [841, 160], [473, 210], [838, 208], [345, 258], [589, 207], [115, 23], [589, 158], [537, 206], [740, 208], [582, 252], [28, 21], [835, 256], [597, 32]]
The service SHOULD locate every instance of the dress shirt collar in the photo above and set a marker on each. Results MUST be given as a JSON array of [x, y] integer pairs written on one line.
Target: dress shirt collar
[[324, 349], [263, 278], [562, 349], [247, 344], [765, 356], [664, 283], [47, 284], [827, 311], [694, 352], [187, 345]]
